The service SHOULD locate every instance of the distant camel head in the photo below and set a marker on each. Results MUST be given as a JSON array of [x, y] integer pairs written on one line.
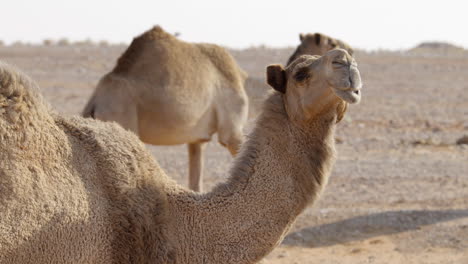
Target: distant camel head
[[317, 44], [313, 84]]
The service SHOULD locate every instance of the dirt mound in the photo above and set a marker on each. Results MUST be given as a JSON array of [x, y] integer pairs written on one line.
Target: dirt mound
[[438, 48]]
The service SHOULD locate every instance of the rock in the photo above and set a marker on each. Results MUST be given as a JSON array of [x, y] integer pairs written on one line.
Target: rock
[[339, 140], [463, 140]]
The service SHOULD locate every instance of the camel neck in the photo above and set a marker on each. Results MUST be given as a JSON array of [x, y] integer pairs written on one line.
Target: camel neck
[[280, 170]]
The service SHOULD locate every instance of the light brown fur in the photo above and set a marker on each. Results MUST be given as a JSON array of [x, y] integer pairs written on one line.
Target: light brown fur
[[317, 44], [74, 190], [171, 92], [83, 191]]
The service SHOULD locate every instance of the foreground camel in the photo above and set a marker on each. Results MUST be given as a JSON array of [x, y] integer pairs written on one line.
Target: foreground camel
[[76, 190], [172, 92], [317, 44]]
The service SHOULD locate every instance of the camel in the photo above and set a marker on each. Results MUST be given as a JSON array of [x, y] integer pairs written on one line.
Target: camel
[[75, 190], [171, 92], [317, 44]]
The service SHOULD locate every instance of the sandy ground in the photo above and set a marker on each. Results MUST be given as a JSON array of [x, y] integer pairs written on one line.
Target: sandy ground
[[399, 189]]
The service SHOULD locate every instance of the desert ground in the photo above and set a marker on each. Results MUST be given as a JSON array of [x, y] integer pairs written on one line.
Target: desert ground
[[399, 190]]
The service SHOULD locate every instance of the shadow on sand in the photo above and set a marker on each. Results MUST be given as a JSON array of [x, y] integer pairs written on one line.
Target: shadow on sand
[[368, 226]]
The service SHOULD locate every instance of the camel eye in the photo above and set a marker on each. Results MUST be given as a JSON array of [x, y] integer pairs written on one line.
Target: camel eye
[[302, 74], [339, 63]]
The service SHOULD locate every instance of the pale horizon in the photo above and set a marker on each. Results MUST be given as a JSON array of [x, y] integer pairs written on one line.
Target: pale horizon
[[364, 24]]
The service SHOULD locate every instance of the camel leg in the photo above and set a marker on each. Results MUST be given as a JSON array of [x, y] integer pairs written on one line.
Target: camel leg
[[195, 151]]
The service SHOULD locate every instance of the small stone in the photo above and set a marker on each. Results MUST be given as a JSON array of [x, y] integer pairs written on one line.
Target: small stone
[[463, 140], [356, 251], [283, 254]]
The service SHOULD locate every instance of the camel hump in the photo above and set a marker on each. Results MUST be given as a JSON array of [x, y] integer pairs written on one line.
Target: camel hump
[[21, 105], [224, 62], [136, 49]]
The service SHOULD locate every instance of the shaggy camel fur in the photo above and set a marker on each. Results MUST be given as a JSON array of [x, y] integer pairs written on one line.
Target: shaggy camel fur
[[317, 44], [171, 92], [83, 191], [74, 190]]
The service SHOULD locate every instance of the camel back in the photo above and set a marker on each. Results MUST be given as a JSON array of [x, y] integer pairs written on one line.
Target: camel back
[[72, 188], [166, 51]]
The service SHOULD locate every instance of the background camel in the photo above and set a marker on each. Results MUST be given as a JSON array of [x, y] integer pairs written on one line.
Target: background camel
[[317, 44], [84, 191], [171, 92]]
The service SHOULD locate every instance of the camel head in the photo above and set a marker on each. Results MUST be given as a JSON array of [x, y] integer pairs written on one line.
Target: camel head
[[313, 84], [316, 44]]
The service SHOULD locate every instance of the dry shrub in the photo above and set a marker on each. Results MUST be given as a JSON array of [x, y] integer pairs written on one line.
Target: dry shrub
[[86, 42], [18, 43], [63, 42], [47, 42], [103, 43]]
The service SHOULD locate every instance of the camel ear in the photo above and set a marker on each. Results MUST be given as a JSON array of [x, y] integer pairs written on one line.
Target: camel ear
[[276, 77], [318, 38], [301, 37]]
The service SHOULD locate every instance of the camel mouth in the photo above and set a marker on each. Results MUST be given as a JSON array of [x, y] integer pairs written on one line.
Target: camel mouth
[[349, 96]]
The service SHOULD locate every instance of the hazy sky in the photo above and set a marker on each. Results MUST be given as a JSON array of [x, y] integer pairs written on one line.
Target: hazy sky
[[368, 24]]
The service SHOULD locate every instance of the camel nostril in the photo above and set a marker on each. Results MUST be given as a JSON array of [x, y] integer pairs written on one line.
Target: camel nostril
[[357, 92]]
